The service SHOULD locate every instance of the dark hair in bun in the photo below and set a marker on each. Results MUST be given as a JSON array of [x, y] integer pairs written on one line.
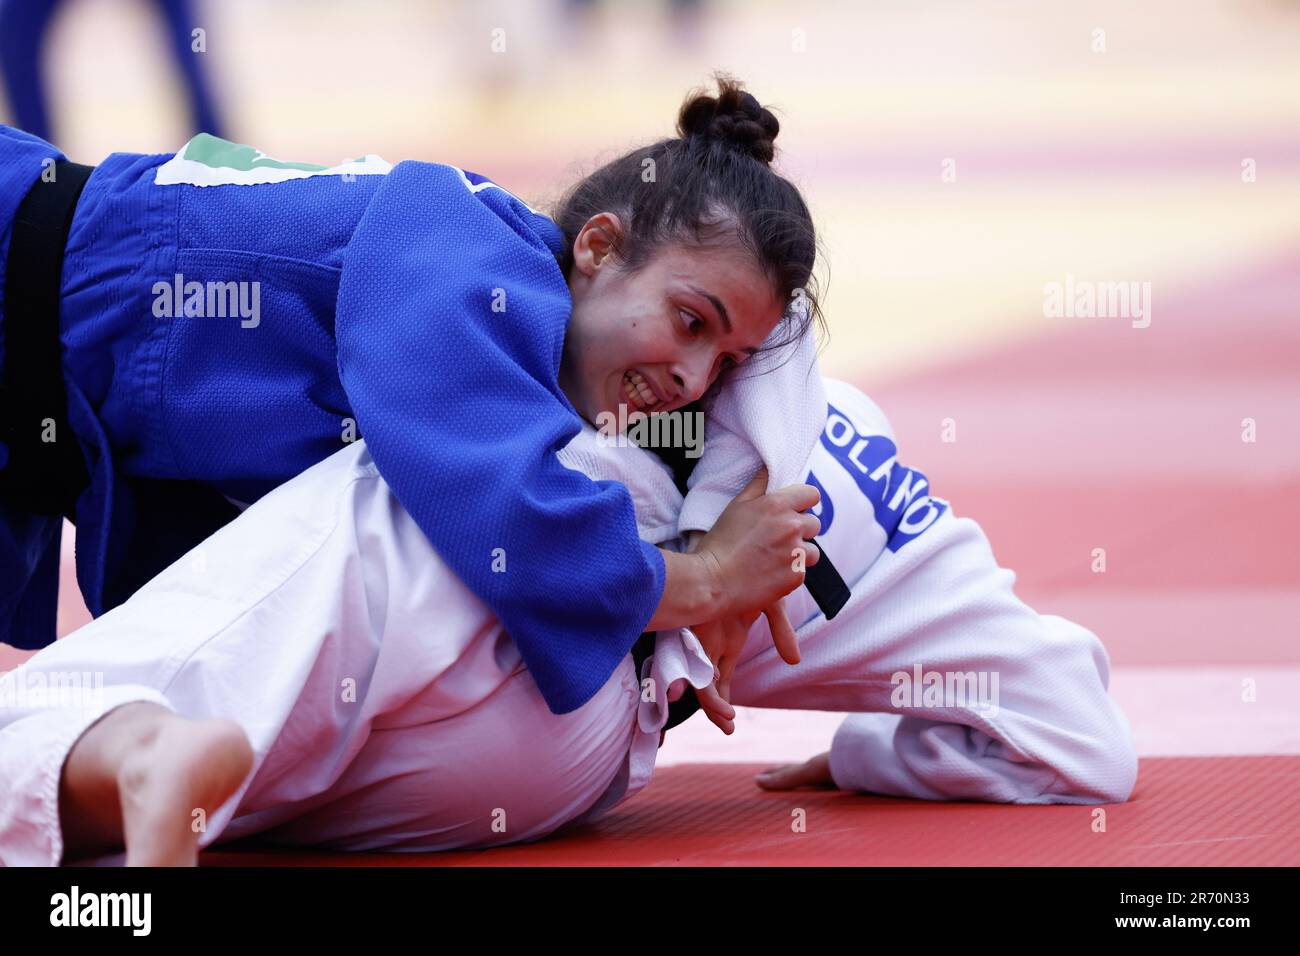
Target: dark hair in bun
[[733, 118], [712, 184]]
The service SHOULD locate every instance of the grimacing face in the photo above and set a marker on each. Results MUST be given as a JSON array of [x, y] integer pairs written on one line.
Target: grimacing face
[[656, 339]]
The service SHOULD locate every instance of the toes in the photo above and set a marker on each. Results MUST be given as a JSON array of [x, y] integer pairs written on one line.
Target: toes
[[777, 778]]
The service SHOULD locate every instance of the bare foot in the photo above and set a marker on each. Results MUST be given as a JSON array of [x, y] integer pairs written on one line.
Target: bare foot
[[811, 773], [185, 767]]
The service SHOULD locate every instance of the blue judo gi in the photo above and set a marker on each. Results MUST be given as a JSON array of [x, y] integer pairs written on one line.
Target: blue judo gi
[[422, 308]]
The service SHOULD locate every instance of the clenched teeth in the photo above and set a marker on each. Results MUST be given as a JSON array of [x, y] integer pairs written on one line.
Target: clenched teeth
[[636, 388]]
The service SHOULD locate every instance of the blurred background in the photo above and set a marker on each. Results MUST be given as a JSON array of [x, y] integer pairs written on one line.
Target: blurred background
[[958, 157]]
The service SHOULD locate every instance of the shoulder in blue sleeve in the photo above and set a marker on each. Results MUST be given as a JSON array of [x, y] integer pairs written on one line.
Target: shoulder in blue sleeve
[[451, 317]]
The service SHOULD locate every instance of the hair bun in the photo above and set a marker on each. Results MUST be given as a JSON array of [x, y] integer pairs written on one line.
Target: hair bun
[[733, 118]]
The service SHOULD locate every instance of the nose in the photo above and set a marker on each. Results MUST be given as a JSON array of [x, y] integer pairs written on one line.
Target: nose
[[692, 375]]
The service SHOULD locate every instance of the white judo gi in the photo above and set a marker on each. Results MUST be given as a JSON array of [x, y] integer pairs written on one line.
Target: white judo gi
[[957, 689], [387, 709]]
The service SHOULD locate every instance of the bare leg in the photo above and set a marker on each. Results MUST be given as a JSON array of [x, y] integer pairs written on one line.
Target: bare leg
[[136, 777]]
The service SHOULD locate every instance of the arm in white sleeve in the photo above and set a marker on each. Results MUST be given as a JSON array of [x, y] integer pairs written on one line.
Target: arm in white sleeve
[[1039, 726], [770, 413], [1020, 713]]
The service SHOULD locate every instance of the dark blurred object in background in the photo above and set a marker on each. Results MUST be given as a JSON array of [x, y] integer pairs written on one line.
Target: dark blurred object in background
[[24, 26]]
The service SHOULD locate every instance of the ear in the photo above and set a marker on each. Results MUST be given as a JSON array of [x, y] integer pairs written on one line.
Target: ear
[[597, 241]]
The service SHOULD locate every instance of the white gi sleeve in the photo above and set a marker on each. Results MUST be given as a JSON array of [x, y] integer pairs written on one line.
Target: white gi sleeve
[[1022, 714], [771, 412], [957, 689]]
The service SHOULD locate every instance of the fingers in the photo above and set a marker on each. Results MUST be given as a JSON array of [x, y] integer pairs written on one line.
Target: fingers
[[736, 633], [712, 701], [712, 640], [726, 726], [797, 497], [726, 667], [782, 633], [721, 713]]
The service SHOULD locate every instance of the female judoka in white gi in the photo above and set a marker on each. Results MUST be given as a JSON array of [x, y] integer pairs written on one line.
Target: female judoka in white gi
[[346, 690]]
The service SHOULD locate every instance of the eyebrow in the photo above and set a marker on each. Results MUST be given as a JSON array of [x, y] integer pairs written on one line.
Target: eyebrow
[[722, 313]]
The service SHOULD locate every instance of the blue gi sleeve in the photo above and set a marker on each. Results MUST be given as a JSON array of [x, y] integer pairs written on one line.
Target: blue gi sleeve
[[450, 325]]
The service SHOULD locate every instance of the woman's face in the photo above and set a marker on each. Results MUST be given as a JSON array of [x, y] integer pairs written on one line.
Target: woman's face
[[656, 339]]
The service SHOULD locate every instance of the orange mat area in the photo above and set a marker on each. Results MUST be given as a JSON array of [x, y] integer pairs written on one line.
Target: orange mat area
[[1186, 811]]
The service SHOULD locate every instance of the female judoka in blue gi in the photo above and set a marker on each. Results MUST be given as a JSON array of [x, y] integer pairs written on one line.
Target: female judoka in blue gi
[[206, 341]]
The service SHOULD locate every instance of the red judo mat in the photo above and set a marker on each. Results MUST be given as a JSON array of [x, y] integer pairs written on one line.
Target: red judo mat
[[1186, 811]]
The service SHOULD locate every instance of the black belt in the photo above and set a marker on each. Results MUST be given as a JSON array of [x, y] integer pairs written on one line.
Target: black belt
[[47, 477], [45, 470]]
